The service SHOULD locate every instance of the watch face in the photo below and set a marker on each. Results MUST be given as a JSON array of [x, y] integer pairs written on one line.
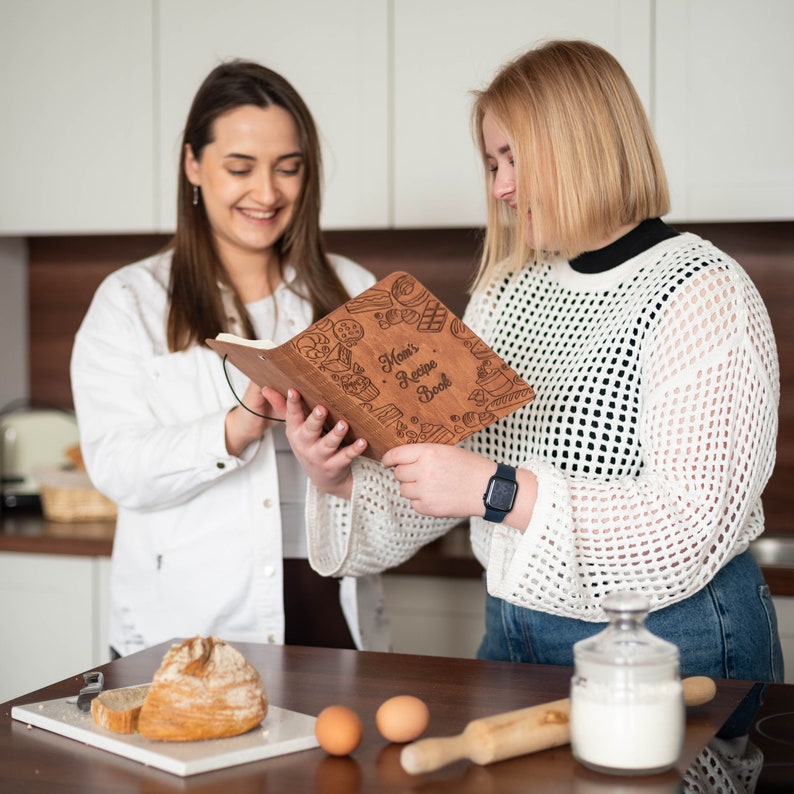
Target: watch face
[[501, 494]]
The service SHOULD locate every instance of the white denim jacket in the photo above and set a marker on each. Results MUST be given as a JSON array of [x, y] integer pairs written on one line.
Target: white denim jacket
[[199, 543]]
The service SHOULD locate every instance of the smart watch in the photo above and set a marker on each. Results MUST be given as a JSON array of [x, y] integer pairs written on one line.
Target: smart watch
[[500, 495]]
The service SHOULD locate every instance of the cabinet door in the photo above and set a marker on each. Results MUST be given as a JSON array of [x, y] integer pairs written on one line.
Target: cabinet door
[[76, 120], [334, 54], [725, 108], [445, 49], [435, 616], [784, 607], [47, 620]]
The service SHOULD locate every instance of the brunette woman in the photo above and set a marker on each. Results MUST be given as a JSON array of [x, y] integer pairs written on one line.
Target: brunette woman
[[210, 536]]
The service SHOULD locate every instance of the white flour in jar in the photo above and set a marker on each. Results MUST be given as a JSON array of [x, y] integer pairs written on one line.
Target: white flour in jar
[[636, 730]]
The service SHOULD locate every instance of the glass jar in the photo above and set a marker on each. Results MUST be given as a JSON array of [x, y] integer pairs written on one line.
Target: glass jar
[[627, 703]]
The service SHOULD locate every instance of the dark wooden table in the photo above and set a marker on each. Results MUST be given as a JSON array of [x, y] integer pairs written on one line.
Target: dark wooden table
[[306, 680]]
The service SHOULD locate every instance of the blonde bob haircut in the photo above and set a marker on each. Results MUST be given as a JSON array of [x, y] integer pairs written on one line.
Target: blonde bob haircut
[[586, 161]]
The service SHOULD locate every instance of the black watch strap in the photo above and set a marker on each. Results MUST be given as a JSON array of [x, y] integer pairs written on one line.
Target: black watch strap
[[500, 495]]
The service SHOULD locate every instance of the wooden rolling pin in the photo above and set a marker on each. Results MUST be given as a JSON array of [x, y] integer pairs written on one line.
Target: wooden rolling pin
[[516, 733]]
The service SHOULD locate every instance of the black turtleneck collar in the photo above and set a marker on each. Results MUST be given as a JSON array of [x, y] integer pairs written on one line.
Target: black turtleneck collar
[[642, 237]]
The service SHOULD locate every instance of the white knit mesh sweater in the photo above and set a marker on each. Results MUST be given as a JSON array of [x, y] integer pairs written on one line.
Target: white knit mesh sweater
[[652, 435]]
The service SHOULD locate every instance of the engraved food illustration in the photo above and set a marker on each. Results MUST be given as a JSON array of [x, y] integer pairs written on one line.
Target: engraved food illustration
[[441, 348]]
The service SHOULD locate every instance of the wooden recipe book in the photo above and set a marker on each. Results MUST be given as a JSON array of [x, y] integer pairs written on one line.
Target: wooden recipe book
[[394, 362]]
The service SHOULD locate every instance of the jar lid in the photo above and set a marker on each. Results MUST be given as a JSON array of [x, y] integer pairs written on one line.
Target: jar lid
[[626, 641], [628, 602]]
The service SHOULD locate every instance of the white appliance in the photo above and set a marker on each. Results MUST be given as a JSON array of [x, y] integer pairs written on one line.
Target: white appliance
[[29, 438]]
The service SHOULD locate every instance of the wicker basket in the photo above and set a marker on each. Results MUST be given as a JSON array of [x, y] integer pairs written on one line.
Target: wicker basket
[[67, 495]]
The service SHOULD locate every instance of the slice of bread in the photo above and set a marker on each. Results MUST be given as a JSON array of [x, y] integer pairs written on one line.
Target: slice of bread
[[118, 709]]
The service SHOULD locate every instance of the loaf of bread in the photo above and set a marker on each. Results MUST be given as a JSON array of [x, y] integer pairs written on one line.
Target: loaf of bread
[[203, 689], [118, 709]]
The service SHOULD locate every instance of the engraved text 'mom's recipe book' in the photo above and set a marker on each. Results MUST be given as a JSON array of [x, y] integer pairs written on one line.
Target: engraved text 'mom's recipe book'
[[394, 362]]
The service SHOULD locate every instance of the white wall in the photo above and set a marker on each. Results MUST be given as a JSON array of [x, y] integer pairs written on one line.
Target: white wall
[[14, 369]]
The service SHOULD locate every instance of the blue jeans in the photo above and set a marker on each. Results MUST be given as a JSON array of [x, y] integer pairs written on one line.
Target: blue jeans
[[726, 630]]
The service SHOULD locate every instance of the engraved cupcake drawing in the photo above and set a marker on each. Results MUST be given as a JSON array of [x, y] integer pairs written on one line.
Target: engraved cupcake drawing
[[359, 386]]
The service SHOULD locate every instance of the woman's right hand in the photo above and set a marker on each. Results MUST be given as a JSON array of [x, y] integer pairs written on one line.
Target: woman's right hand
[[323, 456]]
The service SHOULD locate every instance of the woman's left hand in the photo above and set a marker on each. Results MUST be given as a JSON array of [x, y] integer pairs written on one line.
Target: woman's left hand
[[244, 426], [440, 480]]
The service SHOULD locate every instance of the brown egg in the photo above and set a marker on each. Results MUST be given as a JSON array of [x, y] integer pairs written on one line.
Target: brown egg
[[402, 718], [338, 730]]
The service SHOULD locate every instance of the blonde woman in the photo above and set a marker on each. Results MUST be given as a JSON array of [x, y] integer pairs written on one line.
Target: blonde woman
[[641, 462]]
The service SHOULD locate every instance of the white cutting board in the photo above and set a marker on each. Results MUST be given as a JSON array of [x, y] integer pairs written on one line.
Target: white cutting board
[[282, 732]]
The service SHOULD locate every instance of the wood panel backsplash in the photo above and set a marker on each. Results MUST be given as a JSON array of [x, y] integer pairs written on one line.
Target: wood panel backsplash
[[65, 271]]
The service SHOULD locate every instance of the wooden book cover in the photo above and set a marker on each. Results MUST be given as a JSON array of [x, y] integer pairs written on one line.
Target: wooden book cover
[[394, 362]]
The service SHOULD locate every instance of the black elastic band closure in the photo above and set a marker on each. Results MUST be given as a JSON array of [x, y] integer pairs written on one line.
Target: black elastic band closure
[[250, 411]]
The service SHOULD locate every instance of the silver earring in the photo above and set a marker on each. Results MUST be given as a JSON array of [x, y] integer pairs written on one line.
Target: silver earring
[[195, 195]]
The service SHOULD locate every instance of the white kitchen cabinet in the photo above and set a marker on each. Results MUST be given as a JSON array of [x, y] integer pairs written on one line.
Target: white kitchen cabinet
[[94, 94], [446, 48], [15, 354], [724, 108], [76, 118], [438, 616], [53, 618], [784, 607], [335, 55], [435, 616]]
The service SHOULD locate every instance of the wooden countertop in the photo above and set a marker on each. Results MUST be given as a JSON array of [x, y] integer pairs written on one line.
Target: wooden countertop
[[29, 532], [450, 556], [308, 679]]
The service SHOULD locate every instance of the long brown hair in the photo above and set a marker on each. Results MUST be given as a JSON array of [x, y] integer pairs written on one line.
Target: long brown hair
[[586, 161], [197, 310]]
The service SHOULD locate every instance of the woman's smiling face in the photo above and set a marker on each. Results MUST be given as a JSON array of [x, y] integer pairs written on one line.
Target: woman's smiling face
[[251, 176]]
